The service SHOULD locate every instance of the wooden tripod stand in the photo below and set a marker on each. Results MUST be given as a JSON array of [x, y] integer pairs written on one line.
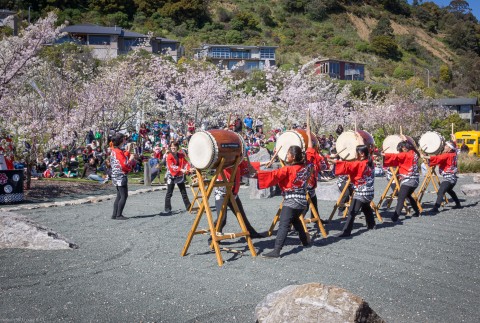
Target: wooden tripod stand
[[339, 204], [396, 189], [205, 193], [315, 219], [430, 177]]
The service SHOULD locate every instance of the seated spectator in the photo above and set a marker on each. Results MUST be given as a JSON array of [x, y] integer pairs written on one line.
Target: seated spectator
[[90, 171]]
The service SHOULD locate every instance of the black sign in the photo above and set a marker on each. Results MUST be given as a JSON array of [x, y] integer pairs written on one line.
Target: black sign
[[230, 145], [11, 186]]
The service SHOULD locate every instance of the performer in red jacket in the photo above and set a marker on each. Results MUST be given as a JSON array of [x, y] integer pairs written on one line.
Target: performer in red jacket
[[122, 163], [292, 180], [220, 192], [447, 164], [407, 162], [362, 176], [177, 167]]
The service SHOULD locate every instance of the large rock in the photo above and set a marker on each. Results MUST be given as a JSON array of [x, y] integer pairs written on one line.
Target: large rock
[[314, 303], [17, 231], [471, 189], [256, 193], [327, 192], [261, 156]]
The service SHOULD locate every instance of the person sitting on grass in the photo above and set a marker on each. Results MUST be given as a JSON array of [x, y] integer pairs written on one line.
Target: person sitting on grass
[[90, 171]]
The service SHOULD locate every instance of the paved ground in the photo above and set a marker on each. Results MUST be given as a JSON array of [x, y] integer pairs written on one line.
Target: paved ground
[[421, 270]]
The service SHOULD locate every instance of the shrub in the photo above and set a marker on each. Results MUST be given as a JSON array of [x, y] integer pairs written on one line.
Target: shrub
[[234, 37], [362, 46], [468, 163], [403, 73], [339, 41]]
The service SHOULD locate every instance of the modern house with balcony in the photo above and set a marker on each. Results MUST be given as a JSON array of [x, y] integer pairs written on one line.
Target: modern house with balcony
[[341, 70], [110, 42], [467, 108], [241, 57]]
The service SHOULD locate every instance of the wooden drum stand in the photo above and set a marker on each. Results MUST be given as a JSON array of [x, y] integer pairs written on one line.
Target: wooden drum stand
[[205, 193], [393, 195], [430, 177]]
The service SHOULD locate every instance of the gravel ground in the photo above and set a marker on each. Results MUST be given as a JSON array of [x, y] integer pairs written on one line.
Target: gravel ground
[[420, 270]]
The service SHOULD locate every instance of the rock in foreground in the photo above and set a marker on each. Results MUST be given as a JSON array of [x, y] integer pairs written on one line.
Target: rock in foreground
[[314, 302]]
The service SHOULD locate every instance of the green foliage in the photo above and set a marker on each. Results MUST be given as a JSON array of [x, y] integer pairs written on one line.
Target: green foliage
[[468, 163], [293, 5], [234, 37], [244, 20], [181, 10], [385, 46], [339, 41], [400, 7], [362, 46], [118, 19], [402, 72], [463, 35], [359, 89], [383, 28], [444, 125], [265, 14], [445, 74]]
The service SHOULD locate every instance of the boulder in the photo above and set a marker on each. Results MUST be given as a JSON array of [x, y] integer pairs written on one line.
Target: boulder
[[327, 192], [471, 189], [261, 156], [314, 302], [17, 231], [256, 193]]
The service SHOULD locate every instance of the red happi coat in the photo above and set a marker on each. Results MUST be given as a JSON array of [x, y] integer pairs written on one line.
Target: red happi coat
[[447, 164], [121, 166], [242, 171], [405, 161], [175, 167], [361, 175], [319, 163], [290, 179]]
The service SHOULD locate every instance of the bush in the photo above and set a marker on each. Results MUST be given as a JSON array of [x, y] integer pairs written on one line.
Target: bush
[[468, 163], [234, 37], [385, 46], [339, 41], [403, 73], [363, 47]]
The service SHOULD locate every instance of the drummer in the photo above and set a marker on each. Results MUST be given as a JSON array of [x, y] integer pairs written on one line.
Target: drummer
[[292, 180], [447, 164], [362, 175], [220, 192], [407, 162]]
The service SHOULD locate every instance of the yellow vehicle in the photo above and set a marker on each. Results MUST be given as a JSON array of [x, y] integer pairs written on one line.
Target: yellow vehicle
[[469, 138]]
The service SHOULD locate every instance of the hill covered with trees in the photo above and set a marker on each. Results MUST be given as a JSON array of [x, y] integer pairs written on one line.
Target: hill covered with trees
[[436, 49]]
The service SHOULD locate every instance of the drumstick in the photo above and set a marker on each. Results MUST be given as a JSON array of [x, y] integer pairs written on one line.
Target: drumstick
[[401, 132], [272, 159], [341, 151], [383, 150], [452, 128]]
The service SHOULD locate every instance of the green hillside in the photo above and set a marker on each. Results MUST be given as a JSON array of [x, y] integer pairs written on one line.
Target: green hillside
[[401, 44]]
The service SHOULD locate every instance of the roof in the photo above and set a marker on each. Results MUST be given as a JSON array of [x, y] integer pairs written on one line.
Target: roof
[[166, 40], [5, 11], [236, 46], [456, 101], [338, 60], [101, 30]]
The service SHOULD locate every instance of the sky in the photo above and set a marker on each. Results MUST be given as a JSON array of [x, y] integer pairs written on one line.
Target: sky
[[474, 5]]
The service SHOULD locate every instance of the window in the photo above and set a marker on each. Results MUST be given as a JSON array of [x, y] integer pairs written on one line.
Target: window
[[98, 40], [167, 47], [267, 53], [131, 42], [220, 52], [240, 54], [335, 69], [470, 141]]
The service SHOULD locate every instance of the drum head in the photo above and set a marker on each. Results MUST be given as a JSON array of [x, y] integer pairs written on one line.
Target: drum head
[[431, 142], [287, 139], [201, 150], [390, 144], [347, 144]]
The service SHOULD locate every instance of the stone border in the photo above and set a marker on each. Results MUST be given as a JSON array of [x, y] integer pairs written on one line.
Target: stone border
[[85, 200]]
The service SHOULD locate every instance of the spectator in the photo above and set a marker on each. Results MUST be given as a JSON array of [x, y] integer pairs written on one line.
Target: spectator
[[464, 149], [90, 171], [258, 124], [191, 126], [339, 130], [248, 122], [90, 137]]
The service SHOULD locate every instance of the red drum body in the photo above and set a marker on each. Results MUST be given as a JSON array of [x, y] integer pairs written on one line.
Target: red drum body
[[297, 137], [391, 142], [348, 141], [207, 148], [432, 142]]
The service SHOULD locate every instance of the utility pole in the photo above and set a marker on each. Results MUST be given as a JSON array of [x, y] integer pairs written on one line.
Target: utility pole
[[428, 77]]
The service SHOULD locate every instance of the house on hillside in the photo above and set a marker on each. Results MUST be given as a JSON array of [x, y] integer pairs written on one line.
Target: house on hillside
[[242, 57], [110, 42], [341, 70], [467, 108], [12, 23]]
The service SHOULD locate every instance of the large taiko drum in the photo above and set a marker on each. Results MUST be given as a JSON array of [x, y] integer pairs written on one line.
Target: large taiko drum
[[207, 148], [432, 142], [296, 137], [391, 142], [348, 141]]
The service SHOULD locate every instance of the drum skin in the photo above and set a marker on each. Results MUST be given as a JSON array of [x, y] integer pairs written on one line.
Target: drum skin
[[348, 141], [207, 148], [391, 142], [296, 137], [432, 143]]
